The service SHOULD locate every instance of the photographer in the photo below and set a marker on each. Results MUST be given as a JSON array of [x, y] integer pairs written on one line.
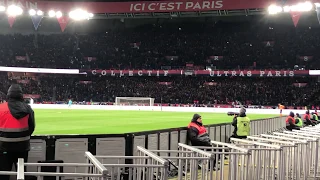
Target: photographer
[[241, 125]]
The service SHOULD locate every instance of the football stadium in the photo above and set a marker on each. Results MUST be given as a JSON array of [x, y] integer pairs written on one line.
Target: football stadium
[[159, 90], [62, 122]]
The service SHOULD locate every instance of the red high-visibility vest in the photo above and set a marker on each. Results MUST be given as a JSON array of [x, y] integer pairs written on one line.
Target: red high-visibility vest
[[12, 129], [287, 120], [306, 116], [201, 129]]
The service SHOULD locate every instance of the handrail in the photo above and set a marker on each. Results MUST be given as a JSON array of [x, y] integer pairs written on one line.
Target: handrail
[[20, 169], [152, 155], [231, 146], [96, 163], [297, 136], [283, 138], [195, 150], [256, 143], [271, 140]]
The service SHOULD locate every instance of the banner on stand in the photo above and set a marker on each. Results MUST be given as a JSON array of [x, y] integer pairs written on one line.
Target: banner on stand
[[36, 20], [63, 22]]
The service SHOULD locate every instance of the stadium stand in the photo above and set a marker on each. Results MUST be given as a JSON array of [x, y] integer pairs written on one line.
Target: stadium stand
[[221, 44], [245, 45], [174, 90], [188, 46]]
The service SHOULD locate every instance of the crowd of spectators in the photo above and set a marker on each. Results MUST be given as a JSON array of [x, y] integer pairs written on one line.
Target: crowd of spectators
[[224, 45], [239, 45], [174, 90]]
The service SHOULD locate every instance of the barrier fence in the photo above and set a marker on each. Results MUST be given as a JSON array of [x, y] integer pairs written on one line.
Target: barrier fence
[[70, 148], [126, 156], [280, 155]]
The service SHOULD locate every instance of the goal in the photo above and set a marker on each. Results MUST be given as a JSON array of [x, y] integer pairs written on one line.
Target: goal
[[134, 101]]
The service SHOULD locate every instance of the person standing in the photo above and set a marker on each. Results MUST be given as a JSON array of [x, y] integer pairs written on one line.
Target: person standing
[[281, 107], [17, 124], [241, 125], [69, 103]]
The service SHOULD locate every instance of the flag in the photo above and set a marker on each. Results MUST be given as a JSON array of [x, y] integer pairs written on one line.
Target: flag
[[165, 83], [36, 21], [21, 58], [299, 84], [295, 17], [210, 83], [268, 43], [216, 58], [305, 58], [63, 22], [11, 20]]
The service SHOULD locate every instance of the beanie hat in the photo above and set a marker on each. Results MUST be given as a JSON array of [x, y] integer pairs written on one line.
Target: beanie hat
[[15, 92], [291, 114], [195, 117]]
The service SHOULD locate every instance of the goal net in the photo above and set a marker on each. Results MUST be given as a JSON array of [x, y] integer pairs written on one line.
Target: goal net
[[134, 101]]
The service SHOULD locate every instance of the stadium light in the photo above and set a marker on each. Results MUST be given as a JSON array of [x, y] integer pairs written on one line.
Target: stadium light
[[273, 9], [32, 12], [306, 6], [286, 9], [40, 13], [2, 8], [52, 13], [299, 7], [14, 10], [58, 14], [80, 14]]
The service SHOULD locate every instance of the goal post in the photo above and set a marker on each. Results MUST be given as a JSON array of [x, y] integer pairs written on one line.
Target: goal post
[[134, 101]]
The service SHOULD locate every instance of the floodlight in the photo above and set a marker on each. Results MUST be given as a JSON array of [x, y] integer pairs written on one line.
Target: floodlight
[[2, 8], [14, 10], [52, 13], [40, 13], [58, 14], [32, 12]]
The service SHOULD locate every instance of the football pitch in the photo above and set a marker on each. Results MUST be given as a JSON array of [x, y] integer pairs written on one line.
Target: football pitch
[[69, 121]]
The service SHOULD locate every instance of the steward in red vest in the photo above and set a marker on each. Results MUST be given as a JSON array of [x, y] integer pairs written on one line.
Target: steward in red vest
[[307, 119], [290, 122], [16, 126], [197, 133]]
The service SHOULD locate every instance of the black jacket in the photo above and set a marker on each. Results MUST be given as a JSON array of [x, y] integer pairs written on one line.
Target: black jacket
[[196, 140], [18, 109]]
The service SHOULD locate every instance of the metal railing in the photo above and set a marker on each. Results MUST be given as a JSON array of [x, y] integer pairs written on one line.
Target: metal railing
[[266, 161], [95, 170], [239, 161], [145, 166]]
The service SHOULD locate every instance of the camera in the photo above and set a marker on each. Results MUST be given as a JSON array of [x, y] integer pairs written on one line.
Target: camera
[[233, 114]]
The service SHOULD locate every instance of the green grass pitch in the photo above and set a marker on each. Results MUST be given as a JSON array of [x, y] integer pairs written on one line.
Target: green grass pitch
[[69, 121]]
